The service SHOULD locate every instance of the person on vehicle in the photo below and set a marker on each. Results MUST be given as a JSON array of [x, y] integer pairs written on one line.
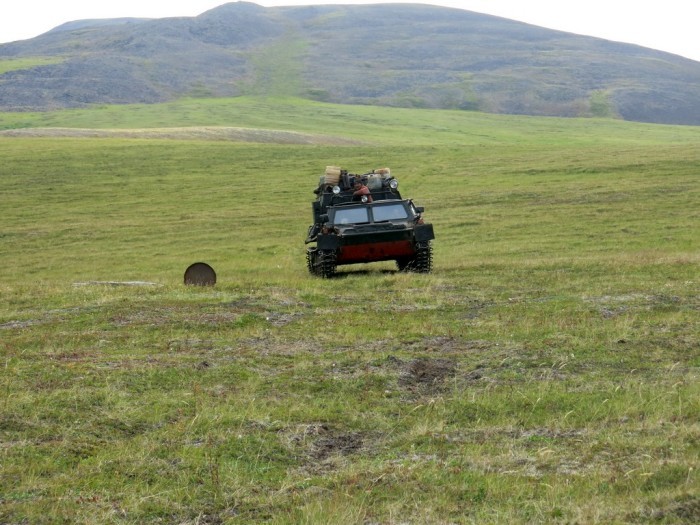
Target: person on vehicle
[[361, 190]]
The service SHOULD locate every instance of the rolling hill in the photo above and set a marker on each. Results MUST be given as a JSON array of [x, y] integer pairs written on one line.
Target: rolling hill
[[405, 55]]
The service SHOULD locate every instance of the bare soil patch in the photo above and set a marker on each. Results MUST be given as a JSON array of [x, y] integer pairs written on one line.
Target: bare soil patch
[[427, 374], [319, 447], [267, 136], [683, 510]]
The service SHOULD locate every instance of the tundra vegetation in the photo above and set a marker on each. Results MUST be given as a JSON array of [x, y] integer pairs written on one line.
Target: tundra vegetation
[[547, 371]]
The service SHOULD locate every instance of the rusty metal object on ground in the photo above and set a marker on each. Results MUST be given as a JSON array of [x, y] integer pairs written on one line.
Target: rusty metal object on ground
[[200, 274]]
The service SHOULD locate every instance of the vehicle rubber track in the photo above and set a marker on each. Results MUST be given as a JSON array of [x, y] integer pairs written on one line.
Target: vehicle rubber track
[[421, 262], [326, 263], [311, 261], [321, 262]]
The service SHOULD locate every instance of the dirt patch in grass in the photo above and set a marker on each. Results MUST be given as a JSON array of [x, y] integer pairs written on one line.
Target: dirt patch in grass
[[282, 319], [452, 345], [688, 510], [10, 325], [318, 445], [507, 436], [266, 347], [332, 444], [174, 315], [266, 136], [427, 375], [685, 509], [442, 344]]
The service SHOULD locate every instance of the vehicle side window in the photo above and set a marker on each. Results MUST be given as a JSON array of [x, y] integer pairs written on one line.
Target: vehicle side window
[[351, 216], [389, 212]]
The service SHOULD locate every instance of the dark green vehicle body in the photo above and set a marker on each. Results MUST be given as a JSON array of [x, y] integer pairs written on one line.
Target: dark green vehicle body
[[349, 231]]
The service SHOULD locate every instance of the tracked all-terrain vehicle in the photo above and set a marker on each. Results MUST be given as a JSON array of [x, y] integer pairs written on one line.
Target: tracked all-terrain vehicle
[[362, 219]]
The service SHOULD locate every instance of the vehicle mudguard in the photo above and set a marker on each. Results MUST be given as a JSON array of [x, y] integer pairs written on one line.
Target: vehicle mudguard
[[327, 242], [316, 210], [423, 232]]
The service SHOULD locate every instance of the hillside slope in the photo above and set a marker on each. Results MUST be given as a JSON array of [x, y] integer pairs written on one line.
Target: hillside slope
[[407, 55]]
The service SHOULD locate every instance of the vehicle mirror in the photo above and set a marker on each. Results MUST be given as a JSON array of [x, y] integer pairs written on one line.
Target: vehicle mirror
[[420, 209], [323, 218]]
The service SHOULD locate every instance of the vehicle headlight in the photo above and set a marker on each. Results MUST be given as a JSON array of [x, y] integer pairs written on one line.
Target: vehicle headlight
[[336, 190], [393, 184]]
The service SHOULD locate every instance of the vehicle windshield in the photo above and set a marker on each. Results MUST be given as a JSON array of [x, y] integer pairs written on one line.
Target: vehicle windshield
[[389, 212], [350, 216]]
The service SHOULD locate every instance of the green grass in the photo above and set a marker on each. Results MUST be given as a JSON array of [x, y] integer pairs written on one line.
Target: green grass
[[16, 64], [467, 131], [547, 371], [277, 69]]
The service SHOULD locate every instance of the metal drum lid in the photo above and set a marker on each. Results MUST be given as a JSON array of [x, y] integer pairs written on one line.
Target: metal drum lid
[[200, 274]]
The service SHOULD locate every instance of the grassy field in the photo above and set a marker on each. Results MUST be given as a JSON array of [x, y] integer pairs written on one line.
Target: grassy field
[[546, 371]]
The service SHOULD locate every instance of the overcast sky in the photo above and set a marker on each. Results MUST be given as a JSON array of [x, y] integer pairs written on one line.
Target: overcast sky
[[668, 25]]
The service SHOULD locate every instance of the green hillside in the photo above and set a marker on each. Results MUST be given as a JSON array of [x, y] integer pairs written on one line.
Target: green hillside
[[394, 55], [546, 371], [369, 124]]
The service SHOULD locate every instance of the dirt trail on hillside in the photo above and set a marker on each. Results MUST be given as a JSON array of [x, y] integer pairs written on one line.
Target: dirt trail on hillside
[[268, 136]]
